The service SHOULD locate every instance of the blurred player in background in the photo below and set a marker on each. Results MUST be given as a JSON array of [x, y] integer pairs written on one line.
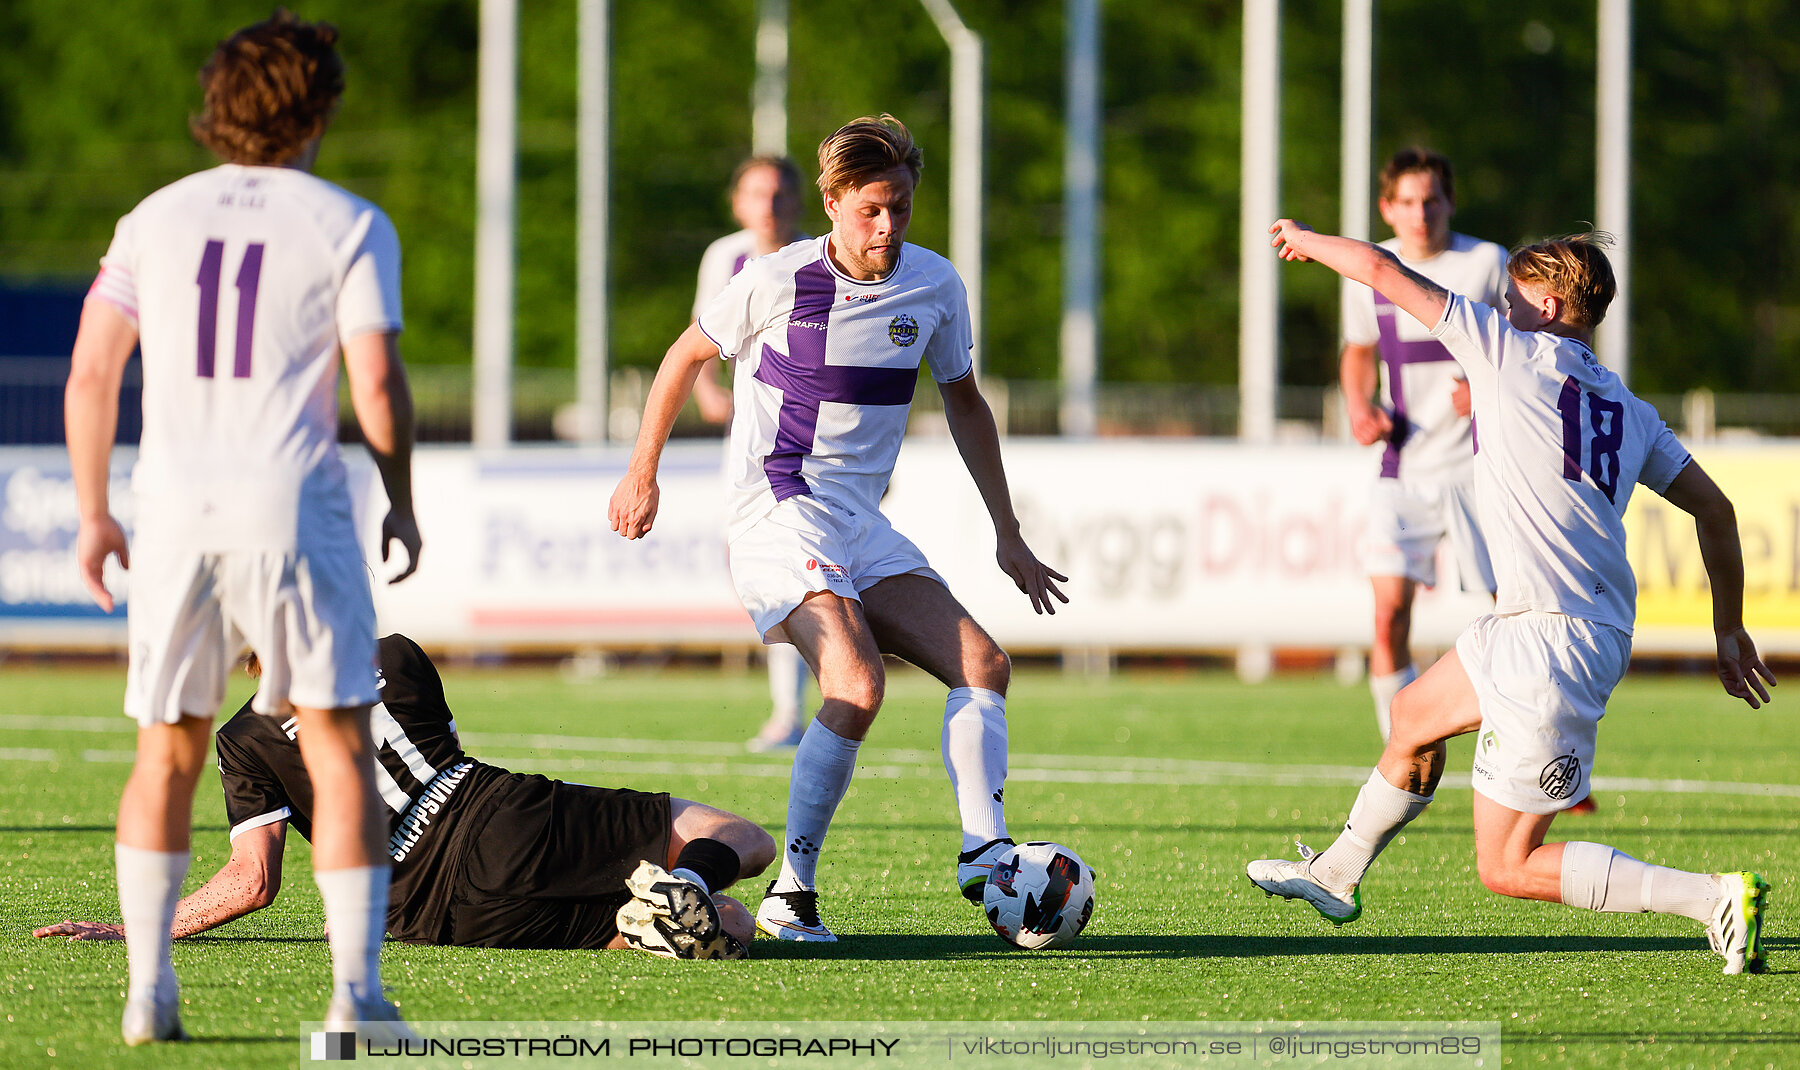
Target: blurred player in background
[[1563, 442], [765, 198], [828, 336], [482, 857], [1426, 492], [242, 284]]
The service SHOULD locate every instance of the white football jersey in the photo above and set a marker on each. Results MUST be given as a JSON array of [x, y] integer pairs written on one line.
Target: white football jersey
[[1559, 445], [242, 281], [722, 260], [826, 367], [1430, 441]]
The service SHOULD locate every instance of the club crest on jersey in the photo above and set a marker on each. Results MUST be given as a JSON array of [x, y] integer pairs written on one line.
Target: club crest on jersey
[[903, 330]]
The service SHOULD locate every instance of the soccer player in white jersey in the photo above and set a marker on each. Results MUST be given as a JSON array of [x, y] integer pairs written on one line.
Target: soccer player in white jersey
[[765, 199], [242, 284], [828, 336], [1426, 490], [1562, 442]]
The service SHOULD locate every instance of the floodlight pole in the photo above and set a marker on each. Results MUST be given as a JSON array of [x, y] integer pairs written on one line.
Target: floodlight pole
[[768, 110], [593, 166], [1356, 126], [966, 217], [496, 180], [1081, 222], [1260, 197], [1612, 179]]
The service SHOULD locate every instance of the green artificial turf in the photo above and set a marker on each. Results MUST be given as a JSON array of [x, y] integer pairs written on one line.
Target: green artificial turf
[[1166, 783]]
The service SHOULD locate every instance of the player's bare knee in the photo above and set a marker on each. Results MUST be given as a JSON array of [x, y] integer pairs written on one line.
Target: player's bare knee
[[1502, 876], [987, 666], [754, 845], [860, 692]]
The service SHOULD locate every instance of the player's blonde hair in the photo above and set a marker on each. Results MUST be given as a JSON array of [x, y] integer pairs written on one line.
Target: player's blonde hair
[[270, 88], [1573, 267], [863, 150]]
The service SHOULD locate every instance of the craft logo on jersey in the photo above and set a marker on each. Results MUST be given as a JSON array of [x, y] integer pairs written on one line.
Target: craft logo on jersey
[[903, 330], [1561, 777]]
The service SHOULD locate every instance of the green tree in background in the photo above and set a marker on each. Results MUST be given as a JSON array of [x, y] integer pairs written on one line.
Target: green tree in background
[[93, 109]]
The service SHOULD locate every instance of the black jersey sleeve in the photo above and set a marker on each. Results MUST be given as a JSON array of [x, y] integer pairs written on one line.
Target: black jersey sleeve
[[254, 794]]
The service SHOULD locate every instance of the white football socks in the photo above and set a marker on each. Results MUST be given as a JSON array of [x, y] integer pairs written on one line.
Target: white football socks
[[823, 763], [974, 746], [1597, 877], [149, 888], [1384, 688], [1379, 813], [356, 912], [787, 685]]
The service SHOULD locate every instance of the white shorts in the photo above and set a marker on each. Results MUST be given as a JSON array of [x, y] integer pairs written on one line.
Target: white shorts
[[1542, 680], [1408, 520], [804, 546], [309, 617]]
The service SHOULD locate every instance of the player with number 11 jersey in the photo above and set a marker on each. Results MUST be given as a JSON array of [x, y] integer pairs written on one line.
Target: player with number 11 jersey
[[242, 281]]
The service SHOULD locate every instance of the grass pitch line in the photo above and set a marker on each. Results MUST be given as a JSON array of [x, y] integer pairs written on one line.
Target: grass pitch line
[[524, 751]]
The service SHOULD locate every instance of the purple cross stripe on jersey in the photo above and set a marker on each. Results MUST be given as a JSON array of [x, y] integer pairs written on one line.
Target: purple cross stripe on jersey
[[1395, 354], [806, 381]]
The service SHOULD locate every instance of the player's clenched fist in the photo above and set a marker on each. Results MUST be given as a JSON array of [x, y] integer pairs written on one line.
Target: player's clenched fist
[[632, 510], [1287, 233]]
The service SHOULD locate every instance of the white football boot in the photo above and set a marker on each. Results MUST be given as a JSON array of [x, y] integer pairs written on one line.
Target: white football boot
[[1294, 880], [684, 903], [1735, 930], [369, 1016], [153, 1019], [973, 867], [792, 915], [778, 734], [647, 930]]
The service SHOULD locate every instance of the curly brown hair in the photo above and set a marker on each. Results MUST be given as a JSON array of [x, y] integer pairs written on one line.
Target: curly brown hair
[[270, 88]]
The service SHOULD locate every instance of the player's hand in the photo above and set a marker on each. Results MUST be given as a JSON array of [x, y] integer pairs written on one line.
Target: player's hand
[[96, 541], [82, 930], [1037, 580], [1459, 398], [1369, 424], [1739, 667], [403, 528], [1287, 232], [632, 510]]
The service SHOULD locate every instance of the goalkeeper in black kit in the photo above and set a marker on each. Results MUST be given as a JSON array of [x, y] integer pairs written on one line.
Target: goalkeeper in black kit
[[482, 857]]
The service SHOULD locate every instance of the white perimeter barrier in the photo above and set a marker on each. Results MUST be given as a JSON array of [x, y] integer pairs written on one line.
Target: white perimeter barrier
[[1169, 546]]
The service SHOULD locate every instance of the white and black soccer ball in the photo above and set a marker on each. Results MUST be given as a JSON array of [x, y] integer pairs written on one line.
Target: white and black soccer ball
[[1039, 895]]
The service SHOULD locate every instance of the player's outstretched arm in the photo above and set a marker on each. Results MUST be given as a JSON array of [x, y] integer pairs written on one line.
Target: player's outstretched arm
[[249, 881], [1715, 523], [632, 510], [1361, 261], [978, 441], [382, 399], [103, 344]]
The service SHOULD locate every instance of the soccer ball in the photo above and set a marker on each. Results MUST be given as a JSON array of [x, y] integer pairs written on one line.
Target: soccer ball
[[1039, 895]]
